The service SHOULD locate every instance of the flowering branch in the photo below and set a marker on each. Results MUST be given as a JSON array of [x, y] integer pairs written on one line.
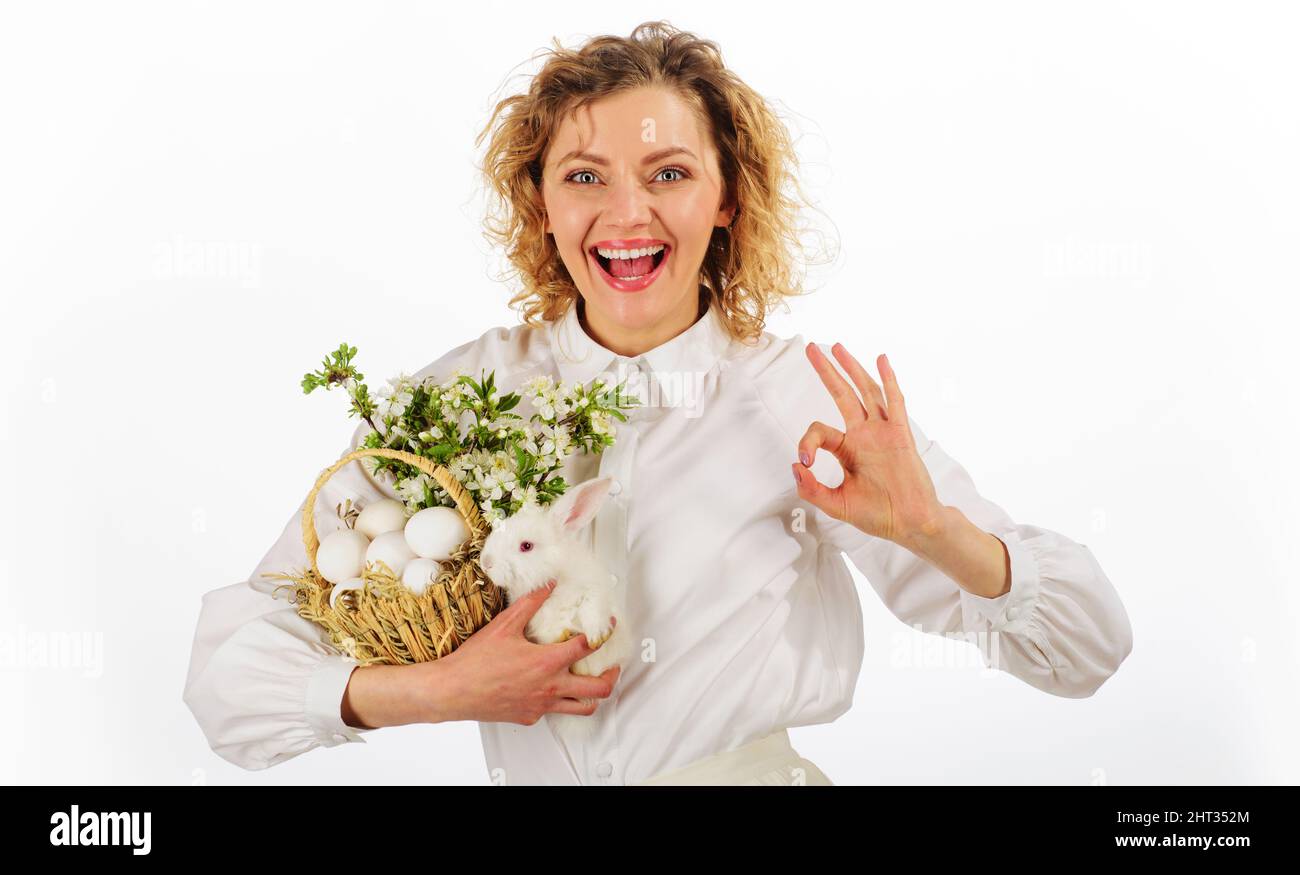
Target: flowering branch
[[501, 458]]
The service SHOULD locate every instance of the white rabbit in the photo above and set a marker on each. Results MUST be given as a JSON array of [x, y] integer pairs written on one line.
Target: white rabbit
[[538, 544]]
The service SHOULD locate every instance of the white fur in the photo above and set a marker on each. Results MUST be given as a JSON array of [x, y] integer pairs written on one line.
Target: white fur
[[585, 594]]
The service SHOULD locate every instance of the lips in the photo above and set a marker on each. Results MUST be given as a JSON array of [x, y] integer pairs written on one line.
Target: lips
[[645, 269]]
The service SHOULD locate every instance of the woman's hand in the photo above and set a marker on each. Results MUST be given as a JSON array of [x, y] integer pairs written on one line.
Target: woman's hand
[[497, 675], [887, 491]]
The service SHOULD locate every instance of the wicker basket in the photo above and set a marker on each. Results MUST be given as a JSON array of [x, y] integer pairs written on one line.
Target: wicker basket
[[384, 622]]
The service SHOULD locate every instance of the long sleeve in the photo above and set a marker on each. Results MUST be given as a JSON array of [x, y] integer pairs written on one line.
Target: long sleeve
[[1061, 628], [263, 683]]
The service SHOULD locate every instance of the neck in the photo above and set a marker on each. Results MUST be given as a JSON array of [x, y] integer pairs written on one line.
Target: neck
[[632, 343]]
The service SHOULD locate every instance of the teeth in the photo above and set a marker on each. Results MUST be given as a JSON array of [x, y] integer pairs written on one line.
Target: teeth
[[630, 253]]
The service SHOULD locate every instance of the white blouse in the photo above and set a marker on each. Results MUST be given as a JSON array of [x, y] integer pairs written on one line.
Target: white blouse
[[746, 614]]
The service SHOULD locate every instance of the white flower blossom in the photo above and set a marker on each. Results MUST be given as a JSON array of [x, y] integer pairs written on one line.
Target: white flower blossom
[[538, 385], [394, 398], [554, 439], [412, 489]]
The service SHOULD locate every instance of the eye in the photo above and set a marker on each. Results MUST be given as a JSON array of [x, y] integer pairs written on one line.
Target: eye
[[574, 176], [525, 546]]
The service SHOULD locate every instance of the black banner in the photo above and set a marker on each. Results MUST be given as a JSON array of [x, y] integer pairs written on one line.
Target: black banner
[[329, 825]]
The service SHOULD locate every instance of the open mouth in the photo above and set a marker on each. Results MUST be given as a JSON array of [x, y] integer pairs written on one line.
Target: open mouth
[[631, 266]]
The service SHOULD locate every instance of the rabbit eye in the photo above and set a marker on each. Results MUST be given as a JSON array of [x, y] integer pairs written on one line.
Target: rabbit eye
[[525, 546]]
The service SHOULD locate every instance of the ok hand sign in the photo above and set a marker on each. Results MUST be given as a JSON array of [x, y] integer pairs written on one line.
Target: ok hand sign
[[887, 491]]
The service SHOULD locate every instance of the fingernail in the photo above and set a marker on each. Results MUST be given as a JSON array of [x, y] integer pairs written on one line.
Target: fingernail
[[803, 457]]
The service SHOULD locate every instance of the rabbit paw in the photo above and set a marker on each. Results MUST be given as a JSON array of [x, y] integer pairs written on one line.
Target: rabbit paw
[[597, 633], [593, 640]]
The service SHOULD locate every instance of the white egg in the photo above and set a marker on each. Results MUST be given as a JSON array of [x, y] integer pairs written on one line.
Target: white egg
[[342, 555], [340, 588], [436, 532], [380, 517], [391, 549], [418, 574]]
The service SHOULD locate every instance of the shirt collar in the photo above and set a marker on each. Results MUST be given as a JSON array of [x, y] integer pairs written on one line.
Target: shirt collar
[[693, 352]]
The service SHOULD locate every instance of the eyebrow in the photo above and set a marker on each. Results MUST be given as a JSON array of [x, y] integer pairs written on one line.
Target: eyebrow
[[649, 159]]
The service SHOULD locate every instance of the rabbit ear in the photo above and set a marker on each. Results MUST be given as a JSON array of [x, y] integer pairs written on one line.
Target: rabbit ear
[[576, 507]]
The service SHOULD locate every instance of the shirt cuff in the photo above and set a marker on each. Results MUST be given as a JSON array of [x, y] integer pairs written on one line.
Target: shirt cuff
[[1011, 611], [324, 701]]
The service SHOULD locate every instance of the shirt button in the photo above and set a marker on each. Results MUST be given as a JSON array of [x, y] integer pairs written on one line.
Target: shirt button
[[615, 488], [604, 770]]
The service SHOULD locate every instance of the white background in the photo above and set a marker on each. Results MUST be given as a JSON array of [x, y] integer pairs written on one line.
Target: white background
[[1073, 229]]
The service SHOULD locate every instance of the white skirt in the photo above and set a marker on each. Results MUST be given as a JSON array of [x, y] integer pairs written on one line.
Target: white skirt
[[769, 761]]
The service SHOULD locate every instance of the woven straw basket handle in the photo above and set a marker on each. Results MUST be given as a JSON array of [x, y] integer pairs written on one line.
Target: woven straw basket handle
[[445, 479]]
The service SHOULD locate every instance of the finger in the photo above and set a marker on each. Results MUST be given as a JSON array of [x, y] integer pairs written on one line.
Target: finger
[[816, 493], [575, 706], [869, 388], [818, 435], [579, 686], [521, 610], [893, 394], [577, 647], [846, 399]]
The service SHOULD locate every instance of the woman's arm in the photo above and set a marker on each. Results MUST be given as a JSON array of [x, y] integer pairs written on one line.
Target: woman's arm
[[264, 683], [395, 695], [943, 557], [977, 561], [1061, 626]]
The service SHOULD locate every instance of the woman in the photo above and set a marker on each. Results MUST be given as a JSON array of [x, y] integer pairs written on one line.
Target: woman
[[641, 193]]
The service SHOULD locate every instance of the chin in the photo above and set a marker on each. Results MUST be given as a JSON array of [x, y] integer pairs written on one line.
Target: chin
[[633, 311]]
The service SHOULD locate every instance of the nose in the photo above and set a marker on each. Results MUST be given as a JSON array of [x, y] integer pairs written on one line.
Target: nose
[[628, 205]]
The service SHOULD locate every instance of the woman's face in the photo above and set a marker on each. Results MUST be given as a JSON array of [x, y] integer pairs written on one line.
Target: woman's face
[[635, 171]]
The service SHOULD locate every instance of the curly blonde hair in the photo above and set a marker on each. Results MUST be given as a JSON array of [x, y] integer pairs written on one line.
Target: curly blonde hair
[[748, 268]]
